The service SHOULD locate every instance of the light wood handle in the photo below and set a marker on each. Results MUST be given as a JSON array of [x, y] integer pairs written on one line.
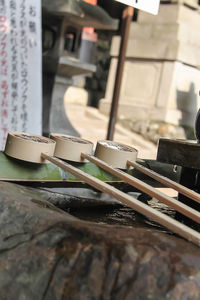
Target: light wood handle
[[173, 225], [166, 181], [140, 185]]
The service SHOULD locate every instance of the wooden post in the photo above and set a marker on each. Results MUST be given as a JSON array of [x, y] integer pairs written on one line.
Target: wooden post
[[126, 22]]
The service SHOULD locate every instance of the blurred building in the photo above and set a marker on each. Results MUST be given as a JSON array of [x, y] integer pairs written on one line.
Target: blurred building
[[161, 79]]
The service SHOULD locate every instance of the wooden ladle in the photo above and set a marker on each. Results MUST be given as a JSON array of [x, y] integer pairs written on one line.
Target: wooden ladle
[[31, 142]]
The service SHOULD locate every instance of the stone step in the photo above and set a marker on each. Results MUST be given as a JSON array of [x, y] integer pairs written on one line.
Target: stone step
[[190, 3], [167, 88], [172, 14], [162, 32], [158, 49]]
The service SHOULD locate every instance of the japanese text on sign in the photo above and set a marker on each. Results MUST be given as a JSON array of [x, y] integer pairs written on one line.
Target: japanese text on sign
[[20, 67]]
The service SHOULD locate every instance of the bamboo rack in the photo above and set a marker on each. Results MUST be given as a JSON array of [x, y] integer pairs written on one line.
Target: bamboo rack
[[166, 181], [175, 226], [21, 145], [140, 185]]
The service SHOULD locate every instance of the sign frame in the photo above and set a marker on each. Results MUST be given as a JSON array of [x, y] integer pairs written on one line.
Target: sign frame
[[150, 6]]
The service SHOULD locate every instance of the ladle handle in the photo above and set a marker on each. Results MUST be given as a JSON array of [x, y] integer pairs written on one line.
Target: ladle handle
[[166, 181], [146, 188], [168, 222]]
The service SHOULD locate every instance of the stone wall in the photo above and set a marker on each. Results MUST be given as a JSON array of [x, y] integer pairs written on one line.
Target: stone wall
[[161, 76]]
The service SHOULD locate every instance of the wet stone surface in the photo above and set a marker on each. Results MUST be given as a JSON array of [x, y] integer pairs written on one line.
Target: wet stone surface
[[116, 146], [46, 253], [72, 139], [34, 138]]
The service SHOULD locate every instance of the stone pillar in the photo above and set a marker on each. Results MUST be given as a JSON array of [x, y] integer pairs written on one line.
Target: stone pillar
[[59, 121], [161, 78]]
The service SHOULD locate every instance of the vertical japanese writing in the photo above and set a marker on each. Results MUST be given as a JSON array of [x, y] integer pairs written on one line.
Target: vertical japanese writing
[[3, 72], [24, 63], [14, 64], [32, 26], [20, 61]]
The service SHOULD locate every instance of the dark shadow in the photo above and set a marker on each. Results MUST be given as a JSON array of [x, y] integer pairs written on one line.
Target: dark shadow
[[187, 104]]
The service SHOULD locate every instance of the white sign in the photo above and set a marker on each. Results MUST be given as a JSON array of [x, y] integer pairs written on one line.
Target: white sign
[[20, 67], [150, 6]]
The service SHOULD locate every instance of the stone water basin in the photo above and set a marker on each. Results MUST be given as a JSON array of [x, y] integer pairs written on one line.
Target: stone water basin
[[60, 246]]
